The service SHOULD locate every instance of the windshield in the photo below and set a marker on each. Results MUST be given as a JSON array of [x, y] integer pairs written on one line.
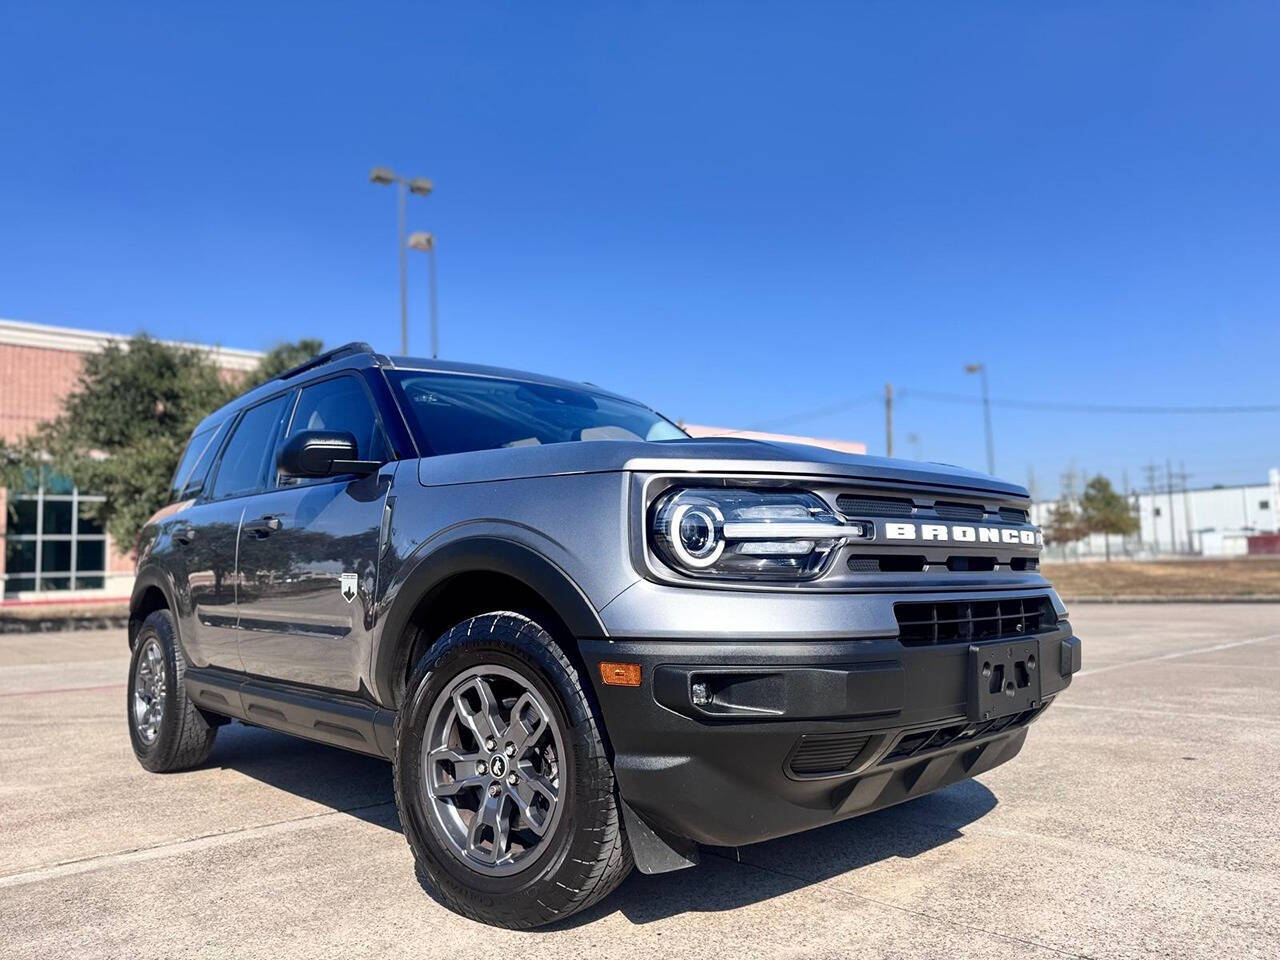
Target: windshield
[[456, 413]]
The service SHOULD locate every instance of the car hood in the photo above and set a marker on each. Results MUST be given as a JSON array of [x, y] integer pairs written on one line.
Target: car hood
[[709, 455]]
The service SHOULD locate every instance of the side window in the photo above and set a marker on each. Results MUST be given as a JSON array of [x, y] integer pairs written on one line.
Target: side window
[[196, 447], [342, 404], [254, 439], [194, 466]]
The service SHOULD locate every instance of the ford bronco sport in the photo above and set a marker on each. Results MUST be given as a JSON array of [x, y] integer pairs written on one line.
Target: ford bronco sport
[[581, 655]]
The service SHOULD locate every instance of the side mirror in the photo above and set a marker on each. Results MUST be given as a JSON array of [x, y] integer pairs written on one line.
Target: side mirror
[[323, 453]]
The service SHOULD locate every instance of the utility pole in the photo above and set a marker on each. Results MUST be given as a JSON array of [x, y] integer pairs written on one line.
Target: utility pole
[[1128, 497], [1150, 470], [1168, 477], [1186, 503], [888, 419], [981, 368]]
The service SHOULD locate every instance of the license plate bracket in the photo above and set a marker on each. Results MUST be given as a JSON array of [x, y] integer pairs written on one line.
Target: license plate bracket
[[1004, 678]]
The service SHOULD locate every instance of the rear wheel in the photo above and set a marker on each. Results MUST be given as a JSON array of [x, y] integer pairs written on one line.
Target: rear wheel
[[168, 732], [502, 779]]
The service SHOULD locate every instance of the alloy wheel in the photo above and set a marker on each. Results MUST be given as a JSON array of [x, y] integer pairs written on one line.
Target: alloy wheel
[[491, 764], [148, 691]]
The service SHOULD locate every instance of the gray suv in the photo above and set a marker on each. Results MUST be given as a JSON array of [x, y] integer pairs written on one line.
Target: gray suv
[[582, 655]]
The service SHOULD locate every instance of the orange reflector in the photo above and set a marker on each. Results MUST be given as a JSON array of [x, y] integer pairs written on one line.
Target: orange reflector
[[620, 674]]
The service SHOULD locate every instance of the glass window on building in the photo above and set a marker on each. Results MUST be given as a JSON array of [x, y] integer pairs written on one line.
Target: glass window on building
[[52, 541]]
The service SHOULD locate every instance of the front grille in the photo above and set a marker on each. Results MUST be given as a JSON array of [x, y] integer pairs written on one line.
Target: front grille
[[827, 753], [874, 506], [889, 563], [938, 738], [1013, 514], [967, 621], [959, 511], [971, 564]]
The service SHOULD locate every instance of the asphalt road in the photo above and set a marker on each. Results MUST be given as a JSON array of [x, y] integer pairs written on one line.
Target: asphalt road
[[1141, 819]]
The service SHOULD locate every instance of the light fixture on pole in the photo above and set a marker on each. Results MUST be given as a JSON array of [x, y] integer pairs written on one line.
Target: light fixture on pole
[[981, 369], [420, 186], [427, 244]]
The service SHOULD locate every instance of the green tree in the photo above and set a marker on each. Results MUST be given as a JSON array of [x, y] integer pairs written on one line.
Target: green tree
[[124, 426], [282, 357], [1104, 511], [1064, 524]]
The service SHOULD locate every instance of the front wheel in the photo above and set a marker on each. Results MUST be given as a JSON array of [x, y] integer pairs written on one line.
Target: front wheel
[[168, 732], [502, 780]]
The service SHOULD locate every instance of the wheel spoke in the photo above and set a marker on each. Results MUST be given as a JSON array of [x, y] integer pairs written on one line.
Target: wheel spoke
[[535, 818], [528, 723], [486, 722], [453, 755], [465, 775], [451, 788], [488, 819]]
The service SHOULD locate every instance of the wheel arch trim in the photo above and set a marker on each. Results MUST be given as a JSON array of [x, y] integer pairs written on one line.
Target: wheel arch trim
[[481, 554], [146, 580]]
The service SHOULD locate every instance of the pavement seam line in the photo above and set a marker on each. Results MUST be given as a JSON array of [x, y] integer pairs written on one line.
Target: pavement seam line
[[908, 910], [40, 693], [1134, 855], [1177, 655], [1234, 718], [103, 861]]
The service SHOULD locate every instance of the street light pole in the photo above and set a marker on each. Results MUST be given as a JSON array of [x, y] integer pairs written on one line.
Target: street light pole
[[981, 369], [401, 218], [427, 243], [404, 186]]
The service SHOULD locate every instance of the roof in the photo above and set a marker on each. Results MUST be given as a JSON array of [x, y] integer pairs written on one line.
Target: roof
[[502, 373], [358, 355], [45, 336]]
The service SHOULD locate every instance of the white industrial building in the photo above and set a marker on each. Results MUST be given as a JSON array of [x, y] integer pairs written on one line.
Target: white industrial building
[[1214, 521]]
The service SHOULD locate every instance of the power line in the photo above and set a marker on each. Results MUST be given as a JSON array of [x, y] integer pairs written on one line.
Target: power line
[[904, 393], [1089, 407], [799, 417]]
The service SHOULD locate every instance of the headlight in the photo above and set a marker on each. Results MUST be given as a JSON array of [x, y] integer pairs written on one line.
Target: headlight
[[747, 534]]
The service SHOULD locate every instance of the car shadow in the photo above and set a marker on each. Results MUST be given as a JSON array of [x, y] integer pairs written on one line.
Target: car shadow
[[727, 878], [360, 787], [346, 782]]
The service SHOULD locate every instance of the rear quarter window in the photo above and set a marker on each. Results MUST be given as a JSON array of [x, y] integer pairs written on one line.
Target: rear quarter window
[[193, 468]]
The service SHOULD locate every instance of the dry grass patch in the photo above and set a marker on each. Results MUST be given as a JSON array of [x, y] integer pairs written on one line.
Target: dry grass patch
[[1238, 577]]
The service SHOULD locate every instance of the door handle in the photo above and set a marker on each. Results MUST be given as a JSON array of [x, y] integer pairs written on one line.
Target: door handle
[[263, 526], [184, 535]]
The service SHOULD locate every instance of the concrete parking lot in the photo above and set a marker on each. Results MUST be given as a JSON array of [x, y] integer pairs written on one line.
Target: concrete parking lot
[[1141, 820]]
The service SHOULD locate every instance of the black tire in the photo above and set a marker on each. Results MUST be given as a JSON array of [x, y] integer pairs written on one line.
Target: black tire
[[585, 856], [184, 737]]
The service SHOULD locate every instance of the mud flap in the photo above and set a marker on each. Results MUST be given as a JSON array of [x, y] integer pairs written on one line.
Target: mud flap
[[656, 851]]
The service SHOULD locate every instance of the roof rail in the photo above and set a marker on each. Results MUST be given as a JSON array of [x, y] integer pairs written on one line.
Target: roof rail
[[337, 353]]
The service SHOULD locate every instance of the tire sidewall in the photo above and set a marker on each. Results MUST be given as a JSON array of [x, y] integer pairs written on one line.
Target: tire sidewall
[[525, 653]]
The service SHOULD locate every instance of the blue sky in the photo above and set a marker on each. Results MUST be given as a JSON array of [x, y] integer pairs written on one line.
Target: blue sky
[[744, 214]]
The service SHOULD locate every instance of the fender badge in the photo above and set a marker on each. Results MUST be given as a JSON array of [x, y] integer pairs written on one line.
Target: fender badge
[[349, 585]]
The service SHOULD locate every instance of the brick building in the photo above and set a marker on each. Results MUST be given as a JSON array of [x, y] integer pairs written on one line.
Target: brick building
[[52, 552]]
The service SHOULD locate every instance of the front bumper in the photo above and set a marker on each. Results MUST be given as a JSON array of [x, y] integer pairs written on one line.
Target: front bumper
[[796, 734]]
